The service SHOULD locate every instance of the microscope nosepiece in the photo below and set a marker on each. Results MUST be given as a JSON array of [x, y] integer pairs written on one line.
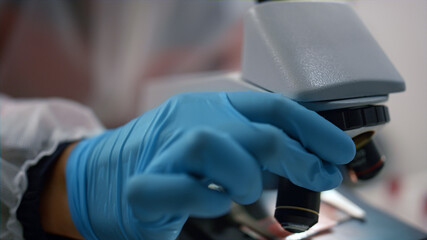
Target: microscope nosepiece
[[297, 208]]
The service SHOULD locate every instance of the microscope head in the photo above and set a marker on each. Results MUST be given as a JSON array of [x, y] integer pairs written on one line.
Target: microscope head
[[321, 55]]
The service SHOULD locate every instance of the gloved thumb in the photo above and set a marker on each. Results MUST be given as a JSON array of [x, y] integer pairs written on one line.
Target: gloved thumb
[[154, 197]]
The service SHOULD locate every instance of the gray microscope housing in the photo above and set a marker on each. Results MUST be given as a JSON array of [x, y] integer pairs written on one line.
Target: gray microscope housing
[[315, 52]]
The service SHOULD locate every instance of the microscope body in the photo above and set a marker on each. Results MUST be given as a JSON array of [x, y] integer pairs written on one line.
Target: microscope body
[[322, 56]]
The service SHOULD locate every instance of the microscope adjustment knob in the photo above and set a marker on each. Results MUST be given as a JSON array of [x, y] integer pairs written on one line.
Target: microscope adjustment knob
[[352, 118]]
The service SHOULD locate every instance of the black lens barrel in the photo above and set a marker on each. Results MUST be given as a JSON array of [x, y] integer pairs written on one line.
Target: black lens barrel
[[297, 208]]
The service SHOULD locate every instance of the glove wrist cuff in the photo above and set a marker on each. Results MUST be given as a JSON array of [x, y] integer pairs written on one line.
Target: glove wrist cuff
[[76, 183]]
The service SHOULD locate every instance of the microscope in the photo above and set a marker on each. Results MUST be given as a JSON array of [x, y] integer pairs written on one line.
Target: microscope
[[322, 56]]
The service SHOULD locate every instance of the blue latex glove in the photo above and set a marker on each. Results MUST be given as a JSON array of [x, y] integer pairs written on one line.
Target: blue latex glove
[[144, 179]]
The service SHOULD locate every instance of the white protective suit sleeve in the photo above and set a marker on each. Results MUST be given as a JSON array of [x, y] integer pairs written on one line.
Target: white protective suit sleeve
[[30, 130]]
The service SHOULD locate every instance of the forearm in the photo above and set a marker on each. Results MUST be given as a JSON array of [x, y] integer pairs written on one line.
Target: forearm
[[54, 212]]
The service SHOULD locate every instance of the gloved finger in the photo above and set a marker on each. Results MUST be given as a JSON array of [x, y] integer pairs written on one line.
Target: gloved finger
[[269, 180], [209, 153], [305, 169], [153, 196], [284, 156], [313, 131]]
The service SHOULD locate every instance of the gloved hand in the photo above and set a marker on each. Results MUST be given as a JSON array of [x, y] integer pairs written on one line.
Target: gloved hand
[[144, 179]]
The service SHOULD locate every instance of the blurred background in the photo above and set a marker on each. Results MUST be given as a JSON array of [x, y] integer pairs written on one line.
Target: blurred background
[[400, 27], [101, 53]]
